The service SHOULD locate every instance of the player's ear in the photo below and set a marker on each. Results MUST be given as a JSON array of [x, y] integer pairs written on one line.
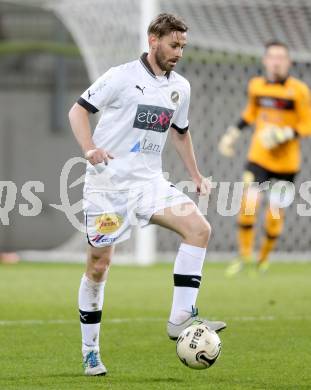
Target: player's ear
[[153, 41]]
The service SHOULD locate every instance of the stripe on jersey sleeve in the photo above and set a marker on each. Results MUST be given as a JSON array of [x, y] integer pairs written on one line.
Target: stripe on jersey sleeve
[[179, 129], [88, 106]]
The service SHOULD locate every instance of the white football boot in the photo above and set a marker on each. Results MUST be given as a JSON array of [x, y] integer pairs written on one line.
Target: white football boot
[[174, 330], [92, 363]]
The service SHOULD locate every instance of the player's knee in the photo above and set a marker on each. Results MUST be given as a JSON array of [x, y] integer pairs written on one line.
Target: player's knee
[[99, 265], [205, 232], [246, 220], [199, 233]]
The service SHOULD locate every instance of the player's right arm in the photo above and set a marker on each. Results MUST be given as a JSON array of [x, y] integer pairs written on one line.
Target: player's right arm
[[227, 142], [81, 128], [100, 94]]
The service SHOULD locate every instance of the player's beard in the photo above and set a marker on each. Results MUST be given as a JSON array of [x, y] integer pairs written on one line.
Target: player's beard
[[281, 76], [162, 61]]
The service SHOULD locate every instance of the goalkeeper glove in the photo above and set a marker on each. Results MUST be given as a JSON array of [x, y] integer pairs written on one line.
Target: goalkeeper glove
[[273, 136], [228, 140]]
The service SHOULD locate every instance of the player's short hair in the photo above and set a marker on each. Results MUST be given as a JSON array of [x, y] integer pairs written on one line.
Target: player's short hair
[[165, 23], [276, 43]]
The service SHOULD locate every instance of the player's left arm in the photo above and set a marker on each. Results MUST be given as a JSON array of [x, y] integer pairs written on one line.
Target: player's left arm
[[182, 142], [184, 147], [303, 107]]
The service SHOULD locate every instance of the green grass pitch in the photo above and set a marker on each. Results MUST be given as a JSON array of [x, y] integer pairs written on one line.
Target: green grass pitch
[[267, 344]]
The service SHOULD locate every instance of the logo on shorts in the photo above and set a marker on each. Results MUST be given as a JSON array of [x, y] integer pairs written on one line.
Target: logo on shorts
[[102, 239], [153, 118], [108, 223], [174, 96]]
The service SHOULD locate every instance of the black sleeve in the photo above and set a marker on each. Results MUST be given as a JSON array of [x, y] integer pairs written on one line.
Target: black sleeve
[[241, 124], [88, 106], [179, 130], [296, 134]]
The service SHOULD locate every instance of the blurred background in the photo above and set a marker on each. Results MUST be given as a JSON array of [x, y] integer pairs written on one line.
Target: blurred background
[[50, 52]]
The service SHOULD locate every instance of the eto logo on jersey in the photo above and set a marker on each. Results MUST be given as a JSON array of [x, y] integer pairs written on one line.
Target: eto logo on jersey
[[108, 223], [153, 118]]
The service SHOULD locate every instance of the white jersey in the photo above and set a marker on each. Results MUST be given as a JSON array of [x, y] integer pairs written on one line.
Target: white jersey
[[138, 108]]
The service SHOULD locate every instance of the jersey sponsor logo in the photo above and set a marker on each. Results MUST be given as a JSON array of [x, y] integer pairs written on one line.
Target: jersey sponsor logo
[[148, 146], [276, 103], [153, 118], [136, 148], [108, 223]]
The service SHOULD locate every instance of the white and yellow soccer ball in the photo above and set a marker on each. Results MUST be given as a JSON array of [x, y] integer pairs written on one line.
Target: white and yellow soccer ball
[[198, 347]]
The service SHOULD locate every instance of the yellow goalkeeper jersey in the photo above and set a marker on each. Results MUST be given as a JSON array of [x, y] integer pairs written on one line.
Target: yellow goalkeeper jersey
[[281, 104]]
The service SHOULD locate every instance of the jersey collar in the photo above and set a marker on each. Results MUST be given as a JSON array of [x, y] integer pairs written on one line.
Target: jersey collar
[[145, 63], [282, 82]]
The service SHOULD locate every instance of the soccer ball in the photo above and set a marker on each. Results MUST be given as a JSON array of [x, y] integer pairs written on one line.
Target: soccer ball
[[198, 347]]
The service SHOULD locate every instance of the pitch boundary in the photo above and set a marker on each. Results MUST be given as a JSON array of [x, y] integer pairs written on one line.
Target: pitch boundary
[[146, 319]]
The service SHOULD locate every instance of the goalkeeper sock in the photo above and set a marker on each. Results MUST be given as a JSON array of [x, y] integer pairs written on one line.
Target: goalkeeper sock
[[187, 280], [246, 223], [273, 227], [268, 244], [246, 237], [91, 299]]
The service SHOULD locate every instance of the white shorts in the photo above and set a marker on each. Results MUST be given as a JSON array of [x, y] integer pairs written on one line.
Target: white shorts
[[111, 215]]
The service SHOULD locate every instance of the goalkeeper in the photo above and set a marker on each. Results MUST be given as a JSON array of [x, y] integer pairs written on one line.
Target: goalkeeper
[[279, 108]]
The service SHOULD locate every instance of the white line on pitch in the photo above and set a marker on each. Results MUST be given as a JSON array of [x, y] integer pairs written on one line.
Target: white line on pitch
[[47, 322], [147, 319]]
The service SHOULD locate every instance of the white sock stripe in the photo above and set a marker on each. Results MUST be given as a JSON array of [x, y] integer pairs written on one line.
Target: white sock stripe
[[194, 251], [91, 283], [190, 254], [188, 261], [91, 295]]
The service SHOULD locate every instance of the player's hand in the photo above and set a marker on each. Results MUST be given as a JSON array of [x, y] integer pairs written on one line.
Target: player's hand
[[273, 136], [203, 185], [228, 140], [97, 156]]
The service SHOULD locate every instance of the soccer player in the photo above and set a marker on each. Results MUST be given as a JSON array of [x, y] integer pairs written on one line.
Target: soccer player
[[279, 108], [141, 102]]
